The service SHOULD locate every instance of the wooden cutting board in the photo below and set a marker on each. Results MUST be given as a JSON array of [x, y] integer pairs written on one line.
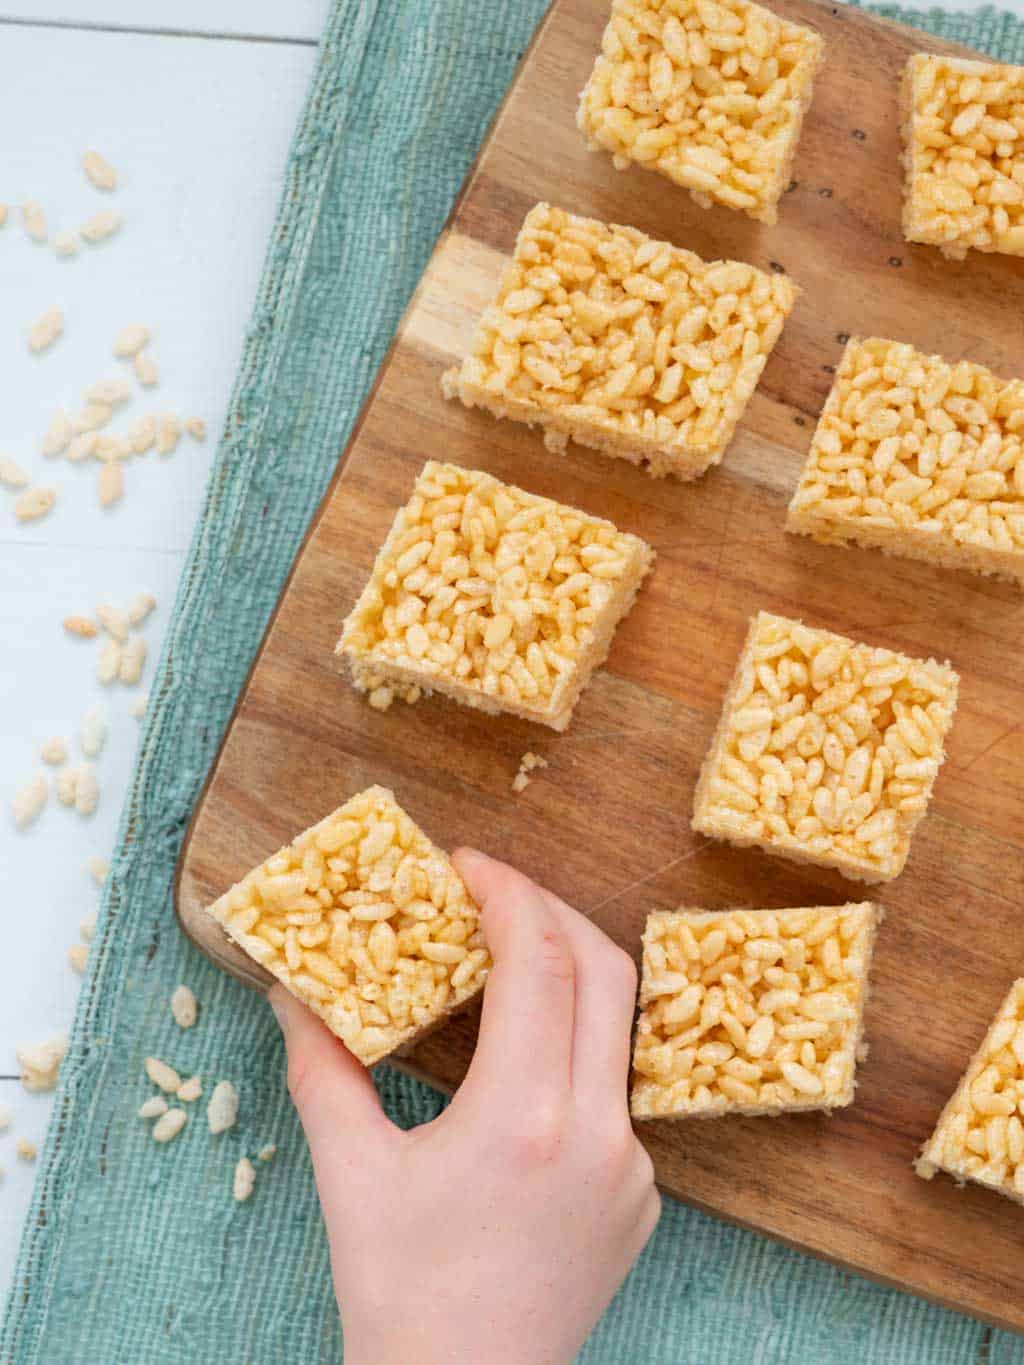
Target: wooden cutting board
[[607, 824]]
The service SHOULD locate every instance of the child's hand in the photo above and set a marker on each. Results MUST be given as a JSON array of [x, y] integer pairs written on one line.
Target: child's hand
[[498, 1232]]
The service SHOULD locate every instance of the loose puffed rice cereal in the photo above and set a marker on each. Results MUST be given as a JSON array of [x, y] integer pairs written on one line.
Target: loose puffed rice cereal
[[162, 1075], [919, 457], [153, 1107], [183, 1006], [190, 1090], [365, 921], [40, 1063], [33, 218], [43, 333], [168, 434], [196, 428], [497, 598], [130, 340], [108, 662], [114, 620], [110, 484], [826, 751], [66, 244], [710, 93], [87, 928], [963, 137], [138, 706], [3, 215], [35, 503], [91, 418], [751, 1011], [83, 446], [244, 1179], [622, 343], [58, 434], [67, 785], [526, 766], [101, 225], [267, 1152], [146, 371], [133, 660], [94, 732], [169, 1125], [140, 607], [87, 790], [980, 1133], [142, 434], [11, 474], [28, 803], [54, 750], [78, 957], [113, 392], [80, 626], [98, 869], [222, 1111], [99, 171], [5, 1122], [113, 448], [26, 1150]]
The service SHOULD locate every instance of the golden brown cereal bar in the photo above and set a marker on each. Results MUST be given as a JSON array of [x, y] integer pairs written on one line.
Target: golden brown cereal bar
[[920, 457], [826, 751], [364, 921], [497, 598], [711, 93], [628, 345], [751, 1011], [963, 137], [980, 1133]]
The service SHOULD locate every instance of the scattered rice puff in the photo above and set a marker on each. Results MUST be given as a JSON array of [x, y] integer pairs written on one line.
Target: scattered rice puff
[[222, 1111], [196, 428], [34, 220], [162, 1075], [87, 791], [65, 244], [130, 340], [113, 392], [826, 751], [138, 706], [710, 93], [92, 417], [114, 621], [146, 371], [3, 215], [99, 171], [94, 732], [751, 1011], [83, 447], [40, 1063], [244, 1179], [54, 750], [168, 434], [29, 802], [98, 870], [58, 434], [140, 607], [108, 662], [169, 1125], [11, 474], [26, 1150], [45, 331], [110, 484], [87, 928], [190, 1090], [133, 660], [67, 785], [526, 766], [153, 1107], [78, 957], [268, 1151], [980, 1133], [622, 343], [963, 137], [524, 635], [142, 434], [80, 626], [5, 1120], [100, 226], [35, 503], [379, 903], [919, 457], [183, 1007]]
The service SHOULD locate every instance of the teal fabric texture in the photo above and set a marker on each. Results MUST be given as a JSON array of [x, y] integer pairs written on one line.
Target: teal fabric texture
[[138, 1253]]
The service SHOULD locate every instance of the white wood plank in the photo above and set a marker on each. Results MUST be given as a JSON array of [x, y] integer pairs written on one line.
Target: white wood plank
[[297, 20], [199, 133]]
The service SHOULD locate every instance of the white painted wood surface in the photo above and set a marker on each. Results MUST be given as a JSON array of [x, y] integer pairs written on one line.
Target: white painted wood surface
[[296, 20], [198, 130]]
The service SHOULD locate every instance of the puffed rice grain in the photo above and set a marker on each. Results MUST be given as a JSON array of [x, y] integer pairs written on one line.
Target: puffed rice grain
[[268, 1151], [162, 1075], [113, 392], [138, 706], [244, 1179], [133, 660], [190, 1090], [110, 484], [153, 1107], [83, 446], [146, 371], [91, 418], [58, 434], [98, 869], [87, 790], [101, 225], [169, 1125], [54, 750], [28, 803], [44, 332], [196, 428], [114, 620], [35, 503], [527, 764], [222, 1111], [11, 474], [87, 928], [168, 434], [26, 1150], [183, 1006], [130, 340], [99, 171], [67, 785], [108, 663], [65, 244], [142, 434], [78, 957], [34, 220], [40, 1063], [80, 626], [140, 607], [94, 732]]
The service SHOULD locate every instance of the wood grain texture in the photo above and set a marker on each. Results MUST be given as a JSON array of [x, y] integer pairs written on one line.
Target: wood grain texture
[[607, 824]]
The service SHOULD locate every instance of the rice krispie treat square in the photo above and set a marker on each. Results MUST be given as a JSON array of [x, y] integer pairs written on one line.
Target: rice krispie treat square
[[963, 137], [751, 1011], [918, 456], [826, 751], [711, 93], [364, 921], [622, 343], [980, 1133], [497, 598]]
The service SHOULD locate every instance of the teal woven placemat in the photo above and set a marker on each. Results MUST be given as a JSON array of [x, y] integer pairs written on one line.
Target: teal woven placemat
[[135, 1253]]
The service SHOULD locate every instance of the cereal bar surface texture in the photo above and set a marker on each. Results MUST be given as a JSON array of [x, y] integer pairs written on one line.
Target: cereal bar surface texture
[[980, 1133], [366, 922], [919, 457], [826, 750], [963, 135], [499, 599], [751, 1011], [711, 93], [632, 346]]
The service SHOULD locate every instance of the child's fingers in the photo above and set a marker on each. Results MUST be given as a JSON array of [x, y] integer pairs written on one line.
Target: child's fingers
[[525, 1043], [332, 1091]]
